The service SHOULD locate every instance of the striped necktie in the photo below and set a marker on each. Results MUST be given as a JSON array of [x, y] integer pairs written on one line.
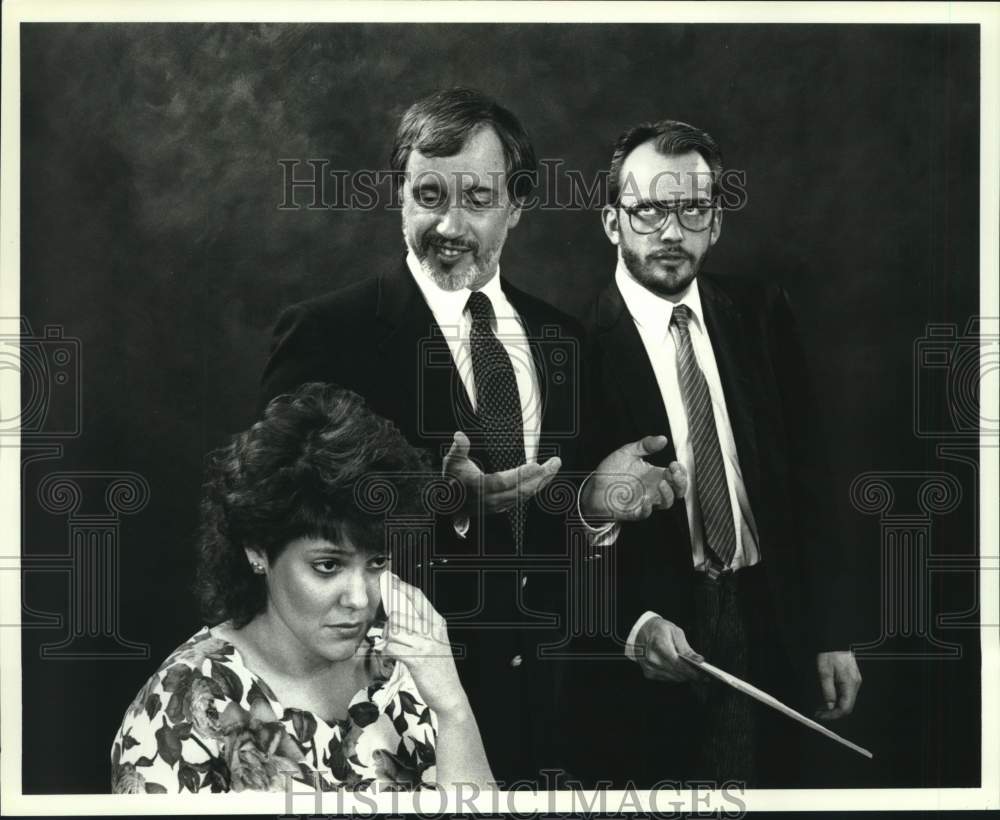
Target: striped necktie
[[709, 471]]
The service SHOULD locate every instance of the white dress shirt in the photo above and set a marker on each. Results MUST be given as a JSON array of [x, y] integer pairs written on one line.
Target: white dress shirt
[[449, 311], [651, 314]]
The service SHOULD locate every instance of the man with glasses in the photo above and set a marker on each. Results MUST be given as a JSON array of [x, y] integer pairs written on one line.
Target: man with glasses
[[744, 574]]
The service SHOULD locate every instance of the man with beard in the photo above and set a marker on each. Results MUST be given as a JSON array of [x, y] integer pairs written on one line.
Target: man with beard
[[743, 574], [462, 362]]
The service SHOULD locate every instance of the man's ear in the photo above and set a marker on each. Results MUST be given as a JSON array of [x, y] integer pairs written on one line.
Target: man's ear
[[612, 227], [513, 216], [716, 230]]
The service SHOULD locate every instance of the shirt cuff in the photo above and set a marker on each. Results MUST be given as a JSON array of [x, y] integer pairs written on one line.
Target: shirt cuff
[[630, 647], [461, 523], [600, 536]]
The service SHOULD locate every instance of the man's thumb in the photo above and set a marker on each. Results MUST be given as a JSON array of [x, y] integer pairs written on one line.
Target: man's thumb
[[459, 446], [646, 446]]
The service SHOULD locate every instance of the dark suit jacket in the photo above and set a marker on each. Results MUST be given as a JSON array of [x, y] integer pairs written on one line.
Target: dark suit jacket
[[779, 444], [379, 338]]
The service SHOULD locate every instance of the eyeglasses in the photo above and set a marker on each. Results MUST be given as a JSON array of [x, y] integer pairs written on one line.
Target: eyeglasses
[[650, 217]]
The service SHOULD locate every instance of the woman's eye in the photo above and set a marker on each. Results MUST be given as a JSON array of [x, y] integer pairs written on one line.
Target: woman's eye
[[379, 563], [326, 567]]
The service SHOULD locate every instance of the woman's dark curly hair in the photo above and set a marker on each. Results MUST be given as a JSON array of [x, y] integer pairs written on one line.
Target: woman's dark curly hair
[[318, 465]]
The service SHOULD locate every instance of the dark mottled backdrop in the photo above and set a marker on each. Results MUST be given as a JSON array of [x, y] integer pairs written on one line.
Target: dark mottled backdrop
[[150, 232]]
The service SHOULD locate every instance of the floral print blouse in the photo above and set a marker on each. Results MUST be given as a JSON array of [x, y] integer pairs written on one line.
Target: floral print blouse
[[205, 722]]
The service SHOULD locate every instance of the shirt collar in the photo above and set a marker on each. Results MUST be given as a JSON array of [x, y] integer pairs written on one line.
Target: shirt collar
[[449, 305], [650, 311]]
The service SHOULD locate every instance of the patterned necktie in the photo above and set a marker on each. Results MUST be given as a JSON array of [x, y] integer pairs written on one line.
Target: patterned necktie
[[498, 403], [710, 474]]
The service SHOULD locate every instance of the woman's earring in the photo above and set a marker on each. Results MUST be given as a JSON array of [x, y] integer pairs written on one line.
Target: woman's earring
[[257, 567]]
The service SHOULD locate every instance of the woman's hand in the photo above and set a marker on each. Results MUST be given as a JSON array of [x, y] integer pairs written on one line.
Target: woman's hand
[[417, 635]]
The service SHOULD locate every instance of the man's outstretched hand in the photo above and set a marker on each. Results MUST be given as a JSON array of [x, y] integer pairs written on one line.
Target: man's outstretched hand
[[487, 493], [626, 487]]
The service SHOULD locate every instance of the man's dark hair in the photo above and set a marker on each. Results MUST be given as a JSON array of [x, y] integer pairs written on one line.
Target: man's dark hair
[[306, 469], [438, 126], [670, 138]]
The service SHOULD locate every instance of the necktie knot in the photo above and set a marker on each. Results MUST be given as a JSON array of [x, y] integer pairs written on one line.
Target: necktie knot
[[681, 317], [480, 308]]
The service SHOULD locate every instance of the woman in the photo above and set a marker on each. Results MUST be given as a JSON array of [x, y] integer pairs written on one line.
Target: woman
[[304, 675]]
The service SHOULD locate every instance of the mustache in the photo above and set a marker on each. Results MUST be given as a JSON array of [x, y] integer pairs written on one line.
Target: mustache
[[453, 244], [671, 254]]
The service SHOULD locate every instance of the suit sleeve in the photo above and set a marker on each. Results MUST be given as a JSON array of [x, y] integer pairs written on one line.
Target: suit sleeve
[[299, 354]]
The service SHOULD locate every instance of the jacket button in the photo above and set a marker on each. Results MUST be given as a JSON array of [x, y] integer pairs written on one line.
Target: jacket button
[[524, 581], [516, 661]]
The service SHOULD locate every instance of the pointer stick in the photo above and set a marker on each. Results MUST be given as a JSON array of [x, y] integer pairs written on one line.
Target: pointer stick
[[774, 703]]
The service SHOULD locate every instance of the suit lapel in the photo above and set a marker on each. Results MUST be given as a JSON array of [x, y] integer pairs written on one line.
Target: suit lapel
[[625, 356], [626, 367], [419, 366], [532, 327], [535, 331], [731, 343]]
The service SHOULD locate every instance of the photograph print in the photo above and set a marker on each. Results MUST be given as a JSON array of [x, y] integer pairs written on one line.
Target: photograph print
[[529, 405]]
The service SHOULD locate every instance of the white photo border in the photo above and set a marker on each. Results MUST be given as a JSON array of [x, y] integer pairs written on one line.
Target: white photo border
[[985, 15]]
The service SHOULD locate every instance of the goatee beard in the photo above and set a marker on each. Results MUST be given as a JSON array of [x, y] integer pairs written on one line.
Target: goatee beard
[[639, 270], [450, 280], [453, 280]]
